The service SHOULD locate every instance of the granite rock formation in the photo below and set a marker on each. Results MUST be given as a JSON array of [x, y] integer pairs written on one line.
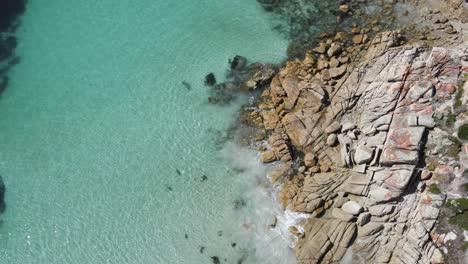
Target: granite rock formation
[[362, 114]]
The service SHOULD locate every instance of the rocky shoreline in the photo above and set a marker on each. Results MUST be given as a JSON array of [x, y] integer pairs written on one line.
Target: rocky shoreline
[[369, 133]]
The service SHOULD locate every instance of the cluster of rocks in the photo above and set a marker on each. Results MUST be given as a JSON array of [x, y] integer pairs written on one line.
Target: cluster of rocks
[[241, 77], [306, 20], [362, 111]]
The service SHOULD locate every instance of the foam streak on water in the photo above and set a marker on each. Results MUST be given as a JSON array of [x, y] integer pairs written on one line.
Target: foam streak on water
[[96, 124]]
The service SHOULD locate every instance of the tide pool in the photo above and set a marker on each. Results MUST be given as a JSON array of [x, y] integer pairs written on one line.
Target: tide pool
[[108, 158]]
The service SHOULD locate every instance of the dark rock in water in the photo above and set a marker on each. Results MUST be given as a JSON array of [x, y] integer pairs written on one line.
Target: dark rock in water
[[238, 63], [9, 11], [7, 45], [239, 203], [297, 48], [258, 75], [187, 85], [204, 178], [178, 172], [210, 79], [2, 194], [215, 260], [220, 233], [233, 244], [186, 236], [269, 5], [3, 83], [202, 249]]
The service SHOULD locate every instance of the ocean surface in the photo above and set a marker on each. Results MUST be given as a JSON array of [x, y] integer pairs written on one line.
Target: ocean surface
[[108, 158]]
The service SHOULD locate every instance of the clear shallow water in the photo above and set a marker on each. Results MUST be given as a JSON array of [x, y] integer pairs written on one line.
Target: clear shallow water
[[95, 123]]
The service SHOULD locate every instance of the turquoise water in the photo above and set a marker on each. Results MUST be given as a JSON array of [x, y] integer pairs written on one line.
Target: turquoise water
[[95, 123]]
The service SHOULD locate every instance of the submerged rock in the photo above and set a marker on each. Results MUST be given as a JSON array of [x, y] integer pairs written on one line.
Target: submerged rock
[[2, 194], [238, 63], [210, 79]]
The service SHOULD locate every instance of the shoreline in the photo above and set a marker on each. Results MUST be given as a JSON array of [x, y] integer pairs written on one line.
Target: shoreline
[[355, 176]]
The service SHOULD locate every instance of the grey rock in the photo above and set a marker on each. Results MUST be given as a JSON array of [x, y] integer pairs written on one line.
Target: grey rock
[[364, 154], [352, 208]]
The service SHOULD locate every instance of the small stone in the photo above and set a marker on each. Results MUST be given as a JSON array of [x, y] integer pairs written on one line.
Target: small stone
[[334, 50], [334, 62], [351, 135], [341, 36], [332, 139], [344, 59], [357, 39], [333, 128], [347, 126], [210, 79], [301, 169], [338, 72], [344, 8], [268, 156], [274, 221], [426, 174], [310, 160], [352, 208], [363, 155], [322, 48], [325, 74], [363, 219], [294, 231], [324, 168], [322, 64]]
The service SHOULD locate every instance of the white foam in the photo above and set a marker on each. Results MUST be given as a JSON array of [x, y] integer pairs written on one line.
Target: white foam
[[273, 245]]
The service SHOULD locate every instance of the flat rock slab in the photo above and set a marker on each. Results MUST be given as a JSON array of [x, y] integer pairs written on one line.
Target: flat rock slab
[[369, 229]]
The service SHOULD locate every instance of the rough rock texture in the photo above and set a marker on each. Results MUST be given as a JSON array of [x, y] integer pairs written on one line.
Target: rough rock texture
[[361, 114], [379, 112]]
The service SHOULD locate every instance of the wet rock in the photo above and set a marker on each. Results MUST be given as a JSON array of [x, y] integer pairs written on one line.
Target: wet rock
[[363, 219], [210, 79], [273, 222], [268, 156], [310, 160], [357, 39], [238, 63]]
